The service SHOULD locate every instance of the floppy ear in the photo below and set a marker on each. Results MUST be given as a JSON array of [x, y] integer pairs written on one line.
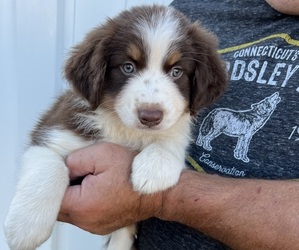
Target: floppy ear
[[85, 69], [210, 79]]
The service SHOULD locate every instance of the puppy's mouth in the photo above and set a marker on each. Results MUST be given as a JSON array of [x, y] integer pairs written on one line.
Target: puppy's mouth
[[148, 128]]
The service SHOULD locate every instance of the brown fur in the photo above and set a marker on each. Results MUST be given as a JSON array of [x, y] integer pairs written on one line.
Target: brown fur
[[87, 66], [92, 69]]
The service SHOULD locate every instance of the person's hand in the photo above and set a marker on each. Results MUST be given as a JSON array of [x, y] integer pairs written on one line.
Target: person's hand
[[105, 200]]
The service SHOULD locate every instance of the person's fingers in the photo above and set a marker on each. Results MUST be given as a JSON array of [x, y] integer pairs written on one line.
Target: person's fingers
[[97, 158], [85, 161], [79, 199], [69, 201]]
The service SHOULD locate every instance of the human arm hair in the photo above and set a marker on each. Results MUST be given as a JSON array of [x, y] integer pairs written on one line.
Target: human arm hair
[[242, 213]]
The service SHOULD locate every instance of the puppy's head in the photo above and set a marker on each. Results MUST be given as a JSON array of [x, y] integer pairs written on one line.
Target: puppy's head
[[150, 65]]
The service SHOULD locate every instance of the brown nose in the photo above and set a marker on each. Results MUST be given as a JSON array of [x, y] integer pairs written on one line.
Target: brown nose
[[150, 118]]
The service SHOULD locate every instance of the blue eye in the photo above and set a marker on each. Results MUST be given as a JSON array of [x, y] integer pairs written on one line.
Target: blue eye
[[176, 72], [128, 68]]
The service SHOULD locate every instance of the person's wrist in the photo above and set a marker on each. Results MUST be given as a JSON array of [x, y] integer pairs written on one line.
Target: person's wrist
[[172, 198], [176, 200], [162, 204], [150, 205]]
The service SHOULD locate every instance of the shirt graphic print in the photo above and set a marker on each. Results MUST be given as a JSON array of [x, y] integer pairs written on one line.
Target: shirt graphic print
[[248, 140], [241, 124]]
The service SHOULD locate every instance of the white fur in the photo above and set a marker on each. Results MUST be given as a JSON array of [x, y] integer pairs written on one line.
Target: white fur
[[158, 36], [34, 209], [150, 88], [63, 141], [42, 184], [122, 238]]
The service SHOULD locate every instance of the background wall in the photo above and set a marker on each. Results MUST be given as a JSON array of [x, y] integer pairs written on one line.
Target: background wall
[[35, 36]]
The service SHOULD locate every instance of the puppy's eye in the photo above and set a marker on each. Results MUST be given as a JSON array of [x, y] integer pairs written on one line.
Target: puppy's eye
[[176, 72], [128, 68]]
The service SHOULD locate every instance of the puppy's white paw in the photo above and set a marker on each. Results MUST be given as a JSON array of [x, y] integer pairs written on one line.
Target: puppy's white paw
[[25, 228], [155, 170], [34, 209]]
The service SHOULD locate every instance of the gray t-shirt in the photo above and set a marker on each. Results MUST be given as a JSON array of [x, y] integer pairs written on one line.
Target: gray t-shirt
[[253, 130]]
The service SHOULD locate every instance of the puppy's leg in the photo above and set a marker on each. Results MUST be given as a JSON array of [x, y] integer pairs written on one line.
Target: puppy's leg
[[34, 209], [158, 167], [122, 238]]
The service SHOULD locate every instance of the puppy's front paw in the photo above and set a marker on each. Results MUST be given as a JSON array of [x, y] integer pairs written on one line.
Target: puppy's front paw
[[27, 229], [155, 170], [34, 209]]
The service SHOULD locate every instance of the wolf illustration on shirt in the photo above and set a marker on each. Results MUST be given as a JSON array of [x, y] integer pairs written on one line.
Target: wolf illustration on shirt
[[242, 124]]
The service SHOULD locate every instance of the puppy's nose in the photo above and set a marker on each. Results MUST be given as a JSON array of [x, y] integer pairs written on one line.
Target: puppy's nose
[[150, 118]]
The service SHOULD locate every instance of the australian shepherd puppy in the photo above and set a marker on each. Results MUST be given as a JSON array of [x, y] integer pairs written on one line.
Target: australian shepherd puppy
[[137, 80]]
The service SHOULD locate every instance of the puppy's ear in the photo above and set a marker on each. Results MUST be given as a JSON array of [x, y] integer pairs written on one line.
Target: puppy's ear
[[210, 79], [85, 69]]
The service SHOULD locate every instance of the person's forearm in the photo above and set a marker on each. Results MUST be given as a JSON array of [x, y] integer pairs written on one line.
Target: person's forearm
[[244, 214]]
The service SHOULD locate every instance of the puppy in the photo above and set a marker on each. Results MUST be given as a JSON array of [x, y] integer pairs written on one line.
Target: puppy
[[137, 81]]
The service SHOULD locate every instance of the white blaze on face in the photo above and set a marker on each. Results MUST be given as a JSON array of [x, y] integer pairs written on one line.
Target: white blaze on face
[[158, 35], [152, 88]]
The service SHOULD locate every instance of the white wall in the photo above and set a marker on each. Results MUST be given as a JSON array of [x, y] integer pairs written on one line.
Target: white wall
[[35, 36]]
